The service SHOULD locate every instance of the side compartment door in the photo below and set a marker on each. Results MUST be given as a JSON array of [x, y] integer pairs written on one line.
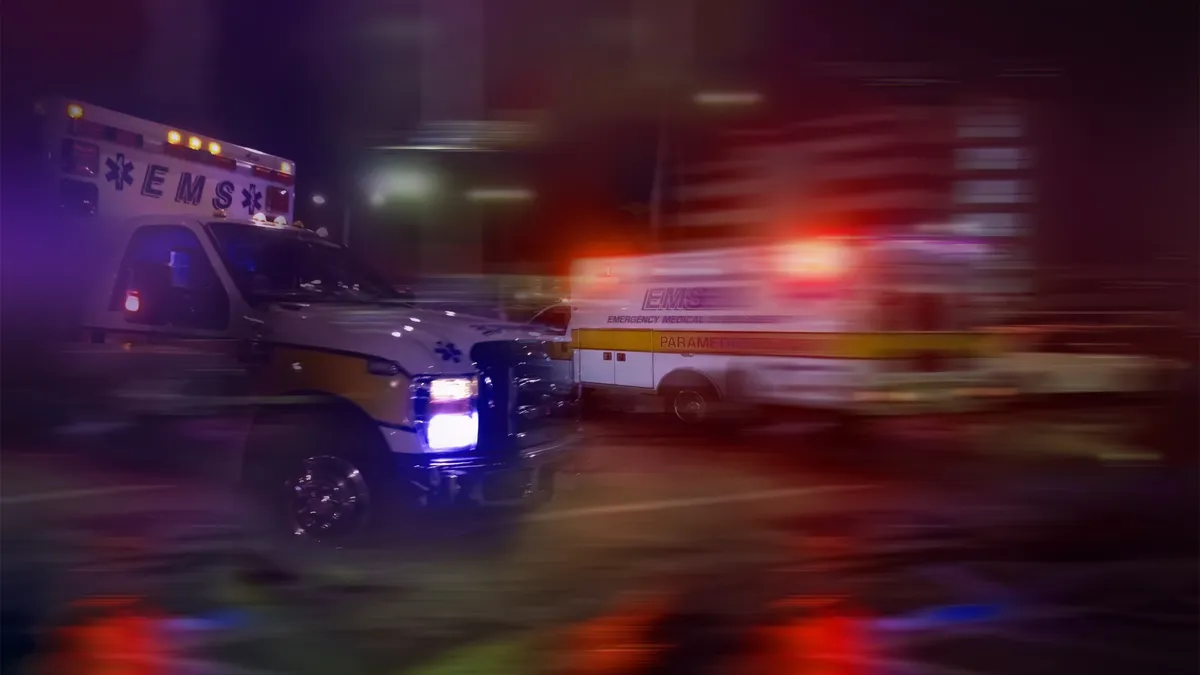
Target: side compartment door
[[634, 368], [596, 360], [633, 358]]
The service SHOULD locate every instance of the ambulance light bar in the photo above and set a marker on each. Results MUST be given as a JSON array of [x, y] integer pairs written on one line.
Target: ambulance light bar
[[88, 129], [193, 150], [813, 259]]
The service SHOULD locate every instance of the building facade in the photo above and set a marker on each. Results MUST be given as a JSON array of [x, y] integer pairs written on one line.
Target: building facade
[[964, 169]]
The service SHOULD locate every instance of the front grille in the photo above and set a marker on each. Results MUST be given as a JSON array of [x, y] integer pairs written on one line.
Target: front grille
[[527, 398]]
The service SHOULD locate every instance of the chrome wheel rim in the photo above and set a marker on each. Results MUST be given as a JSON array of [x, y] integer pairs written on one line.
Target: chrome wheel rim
[[690, 406], [327, 499]]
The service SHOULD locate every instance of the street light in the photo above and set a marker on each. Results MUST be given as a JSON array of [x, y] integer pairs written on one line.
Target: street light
[[402, 184], [318, 199], [409, 184]]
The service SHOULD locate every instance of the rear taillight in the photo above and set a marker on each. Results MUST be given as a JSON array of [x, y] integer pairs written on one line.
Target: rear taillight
[[79, 158], [87, 129], [279, 200]]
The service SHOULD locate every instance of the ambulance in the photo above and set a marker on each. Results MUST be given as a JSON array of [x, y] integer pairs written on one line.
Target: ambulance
[[361, 403], [851, 326]]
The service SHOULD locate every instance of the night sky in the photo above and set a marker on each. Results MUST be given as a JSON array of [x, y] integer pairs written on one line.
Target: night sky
[[304, 78]]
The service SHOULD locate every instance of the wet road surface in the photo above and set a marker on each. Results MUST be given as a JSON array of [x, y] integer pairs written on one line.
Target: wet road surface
[[968, 550]]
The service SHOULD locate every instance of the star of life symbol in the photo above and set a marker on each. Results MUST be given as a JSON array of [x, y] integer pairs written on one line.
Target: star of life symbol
[[251, 199], [120, 171]]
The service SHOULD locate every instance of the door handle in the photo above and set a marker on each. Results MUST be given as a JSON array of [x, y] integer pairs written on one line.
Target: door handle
[[620, 356], [608, 356], [254, 353]]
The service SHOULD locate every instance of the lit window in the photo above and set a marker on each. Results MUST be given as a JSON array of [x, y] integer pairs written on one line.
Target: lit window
[[993, 224], [990, 126], [991, 159], [991, 192]]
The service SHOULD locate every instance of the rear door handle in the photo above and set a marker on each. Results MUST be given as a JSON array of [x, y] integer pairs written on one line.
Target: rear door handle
[[608, 356], [620, 356]]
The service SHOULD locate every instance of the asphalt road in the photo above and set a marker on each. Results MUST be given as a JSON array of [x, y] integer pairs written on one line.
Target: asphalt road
[[990, 547]]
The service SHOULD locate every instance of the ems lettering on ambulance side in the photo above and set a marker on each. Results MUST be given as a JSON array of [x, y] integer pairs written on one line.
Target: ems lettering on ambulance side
[[110, 163], [839, 324], [360, 397]]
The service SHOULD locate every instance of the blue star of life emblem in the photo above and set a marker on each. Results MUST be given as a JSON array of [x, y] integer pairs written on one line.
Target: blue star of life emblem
[[120, 171], [448, 351], [251, 199]]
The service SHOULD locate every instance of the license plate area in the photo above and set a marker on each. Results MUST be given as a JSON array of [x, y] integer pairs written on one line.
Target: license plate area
[[508, 486]]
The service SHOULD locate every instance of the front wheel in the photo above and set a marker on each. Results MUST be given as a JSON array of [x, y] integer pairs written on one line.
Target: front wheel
[[325, 499], [319, 478]]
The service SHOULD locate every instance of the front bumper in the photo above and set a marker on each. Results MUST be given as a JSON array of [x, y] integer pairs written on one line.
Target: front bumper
[[482, 479]]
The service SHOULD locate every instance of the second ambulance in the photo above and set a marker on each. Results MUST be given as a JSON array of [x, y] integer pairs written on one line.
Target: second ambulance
[[850, 326]]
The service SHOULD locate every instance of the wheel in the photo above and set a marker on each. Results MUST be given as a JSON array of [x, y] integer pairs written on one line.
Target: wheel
[[690, 405], [320, 477]]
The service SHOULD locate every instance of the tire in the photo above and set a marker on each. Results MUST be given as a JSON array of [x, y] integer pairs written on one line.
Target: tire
[[690, 406], [321, 477]]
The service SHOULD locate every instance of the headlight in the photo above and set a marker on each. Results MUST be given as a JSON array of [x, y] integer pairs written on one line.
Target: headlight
[[452, 431], [446, 412], [451, 389]]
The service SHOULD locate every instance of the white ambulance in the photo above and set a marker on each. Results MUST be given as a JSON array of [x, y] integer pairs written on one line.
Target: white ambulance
[[847, 325], [366, 401]]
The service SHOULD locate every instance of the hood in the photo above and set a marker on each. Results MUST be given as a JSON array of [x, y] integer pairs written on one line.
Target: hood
[[422, 341]]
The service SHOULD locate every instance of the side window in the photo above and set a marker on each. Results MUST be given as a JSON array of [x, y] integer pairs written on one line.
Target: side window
[[78, 197], [166, 279], [557, 318]]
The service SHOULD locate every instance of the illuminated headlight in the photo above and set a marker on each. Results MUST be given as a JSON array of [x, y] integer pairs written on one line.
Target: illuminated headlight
[[446, 412], [451, 389], [451, 431]]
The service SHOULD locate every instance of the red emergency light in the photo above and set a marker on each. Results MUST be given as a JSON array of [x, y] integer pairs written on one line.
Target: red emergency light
[[813, 259], [87, 129], [133, 302]]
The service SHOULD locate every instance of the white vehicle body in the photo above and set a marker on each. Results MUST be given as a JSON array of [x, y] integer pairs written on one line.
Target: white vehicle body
[[1092, 359], [804, 324], [144, 189]]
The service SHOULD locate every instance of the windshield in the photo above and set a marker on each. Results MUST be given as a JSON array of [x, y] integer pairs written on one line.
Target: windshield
[[290, 264]]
